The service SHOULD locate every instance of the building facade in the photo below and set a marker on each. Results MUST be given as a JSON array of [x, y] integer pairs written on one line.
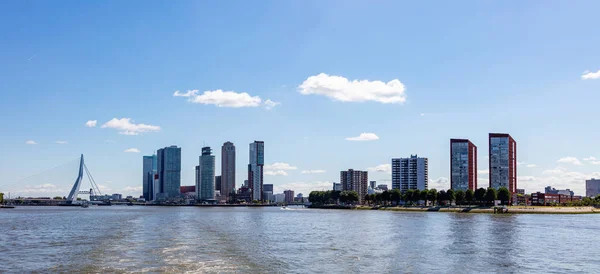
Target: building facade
[[410, 173], [592, 187], [218, 183], [289, 196], [373, 184], [149, 173], [268, 192], [206, 189], [463, 165], [503, 161], [355, 180], [337, 186], [227, 169], [169, 173], [255, 169]]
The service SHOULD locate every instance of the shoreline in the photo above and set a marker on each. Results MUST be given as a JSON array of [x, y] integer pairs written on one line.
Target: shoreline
[[486, 210]]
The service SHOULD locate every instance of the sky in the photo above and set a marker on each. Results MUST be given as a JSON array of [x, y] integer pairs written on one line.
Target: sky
[[327, 85]]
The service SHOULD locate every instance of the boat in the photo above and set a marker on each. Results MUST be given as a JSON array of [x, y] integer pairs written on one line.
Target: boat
[[7, 206]]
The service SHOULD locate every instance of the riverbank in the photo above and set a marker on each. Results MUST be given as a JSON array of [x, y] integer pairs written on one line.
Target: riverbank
[[489, 210]]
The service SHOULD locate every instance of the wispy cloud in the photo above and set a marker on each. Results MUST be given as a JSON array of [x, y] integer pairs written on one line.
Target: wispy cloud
[[280, 166], [313, 171], [91, 123], [276, 172], [364, 137], [227, 99], [133, 189], [270, 104], [587, 75], [483, 171], [61, 142], [531, 165], [303, 187], [341, 89], [127, 127], [31, 142], [440, 183], [132, 150], [569, 160], [381, 168]]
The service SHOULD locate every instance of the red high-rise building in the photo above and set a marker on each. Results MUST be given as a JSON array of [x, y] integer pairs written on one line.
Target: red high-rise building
[[463, 165], [503, 161]]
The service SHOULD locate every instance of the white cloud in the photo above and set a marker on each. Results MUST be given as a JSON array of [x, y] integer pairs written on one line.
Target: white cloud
[[275, 173], [587, 75], [364, 137], [270, 104], [313, 171], [105, 188], [43, 188], [589, 159], [559, 178], [127, 127], [132, 150], [381, 168], [189, 93], [303, 187], [91, 123], [483, 171], [520, 163], [341, 89], [280, 166], [569, 160], [531, 165], [61, 142], [133, 189], [31, 142], [440, 183], [230, 99]]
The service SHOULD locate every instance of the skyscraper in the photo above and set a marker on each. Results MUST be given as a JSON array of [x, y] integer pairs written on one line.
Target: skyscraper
[[206, 189], [169, 172], [227, 169], [355, 180], [592, 187], [255, 169], [218, 183], [463, 165], [503, 161], [410, 173], [149, 172], [289, 196]]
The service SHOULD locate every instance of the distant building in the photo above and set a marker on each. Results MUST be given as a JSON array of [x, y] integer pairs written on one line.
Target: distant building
[[244, 193], [206, 189], [149, 172], [279, 198], [255, 169], [289, 196], [521, 191], [383, 187], [542, 199], [169, 172], [187, 189], [246, 183], [463, 165], [299, 198], [218, 185], [227, 169], [503, 161], [374, 190], [551, 190], [372, 184], [410, 173], [592, 187], [117, 197], [355, 180], [268, 192], [337, 186]]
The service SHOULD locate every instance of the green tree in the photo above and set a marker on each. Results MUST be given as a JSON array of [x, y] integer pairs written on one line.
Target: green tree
[[1, 197], [415, 195], [460, 197], [450, 196], [490, 195], [396, 195], [432, 195], [442, 196], [469, 196], [586, 201], [423, 195], [406, 197], [335, 196], [480, 194], [386, 197], [348, 197], [503, 195]]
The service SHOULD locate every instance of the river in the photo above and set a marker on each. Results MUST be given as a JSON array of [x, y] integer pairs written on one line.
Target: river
[[295, 240]]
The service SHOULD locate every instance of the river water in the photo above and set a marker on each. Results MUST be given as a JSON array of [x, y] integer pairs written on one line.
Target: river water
[[296, 240]]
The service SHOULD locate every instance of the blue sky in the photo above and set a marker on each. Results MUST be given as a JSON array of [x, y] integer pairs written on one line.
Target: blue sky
[[466, 69]]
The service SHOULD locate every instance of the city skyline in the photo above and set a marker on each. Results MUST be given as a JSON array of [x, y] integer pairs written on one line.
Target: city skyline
[[79, 86]]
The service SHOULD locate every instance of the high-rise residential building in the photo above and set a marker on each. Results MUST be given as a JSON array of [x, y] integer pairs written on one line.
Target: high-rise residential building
[[410, 173], [289, 196], [355, 180], [149, 173], [169, 172], [373, 184], [463, 165], [227, 169], [255, 169], [592, 187], [218, 183], [503, 161], [337, 186], [197, 180], [206, 189]]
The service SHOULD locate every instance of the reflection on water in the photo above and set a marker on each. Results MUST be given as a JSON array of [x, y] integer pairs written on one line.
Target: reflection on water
[[293, 240]]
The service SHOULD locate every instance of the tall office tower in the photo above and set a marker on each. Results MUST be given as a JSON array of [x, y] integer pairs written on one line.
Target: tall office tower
[[503, 161], [410, 173], [355, 180], [169, 172], [463, 165], [227, 169], [206, 189], [149, 172], [255, 169]]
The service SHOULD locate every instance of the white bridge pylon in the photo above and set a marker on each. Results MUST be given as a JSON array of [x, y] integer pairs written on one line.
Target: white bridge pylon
[[72, 198]]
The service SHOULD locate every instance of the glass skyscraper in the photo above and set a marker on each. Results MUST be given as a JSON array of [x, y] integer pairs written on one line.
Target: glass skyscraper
[[169, 172], [463, 165], [255, 169], [149, 172], [227, 169], [206, 189], [503, 161]]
